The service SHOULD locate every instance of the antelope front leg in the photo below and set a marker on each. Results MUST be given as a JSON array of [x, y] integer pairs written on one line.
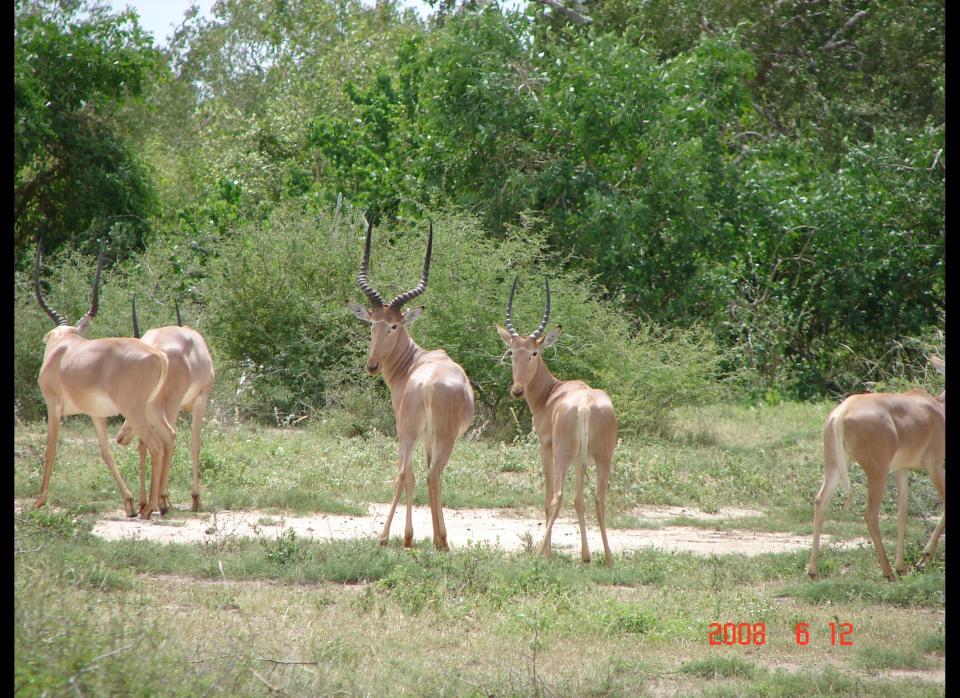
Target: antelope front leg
[[872, 517], [199, 408], [937, 476], [142, 448], [546, 457], [439, 460], [100, 424], [831, 477], [560, 474], [50, 452], [902, 510], [578, 504]]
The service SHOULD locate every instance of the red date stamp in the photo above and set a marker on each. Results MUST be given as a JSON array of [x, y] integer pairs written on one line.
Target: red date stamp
[[756, 634]]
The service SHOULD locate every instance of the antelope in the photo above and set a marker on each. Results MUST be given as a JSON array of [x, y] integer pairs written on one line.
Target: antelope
[[190, 379], [884, 432], [574, 422], [430, 393], [102, 378]]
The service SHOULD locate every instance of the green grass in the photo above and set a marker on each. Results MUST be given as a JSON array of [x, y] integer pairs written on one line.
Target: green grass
[[289, 615]]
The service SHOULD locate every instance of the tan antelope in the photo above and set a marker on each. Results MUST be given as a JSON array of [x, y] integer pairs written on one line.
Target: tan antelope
[[102, 378], [884, 432], [190, 378], [574, 422], [431, 395]]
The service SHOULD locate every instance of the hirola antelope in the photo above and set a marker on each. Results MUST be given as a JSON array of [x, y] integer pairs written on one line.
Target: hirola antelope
[[884, 432], [431, 395], [574, 422], [102, 378]]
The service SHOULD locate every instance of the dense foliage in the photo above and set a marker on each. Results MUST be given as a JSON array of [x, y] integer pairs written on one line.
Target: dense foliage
[[773, 172]]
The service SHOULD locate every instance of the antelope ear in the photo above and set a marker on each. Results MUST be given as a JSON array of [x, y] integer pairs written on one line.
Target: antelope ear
[[939, 364], [550, 337], [504, 335], [411, 314], [361, 312]]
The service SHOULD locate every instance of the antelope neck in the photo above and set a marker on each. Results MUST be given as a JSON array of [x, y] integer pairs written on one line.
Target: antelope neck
[[540, 387], [396, 364]]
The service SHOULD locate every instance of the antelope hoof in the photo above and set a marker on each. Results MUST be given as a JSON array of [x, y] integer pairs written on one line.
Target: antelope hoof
[[890, 577], [129, 508], [442, 544], [196, 503], [585, 559], [608, 561], [145, 513], [384, 540], [41, 500], [408, 541]]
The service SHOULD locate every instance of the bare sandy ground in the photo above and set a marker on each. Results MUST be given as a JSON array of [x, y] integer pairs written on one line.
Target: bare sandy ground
[[501, 528]]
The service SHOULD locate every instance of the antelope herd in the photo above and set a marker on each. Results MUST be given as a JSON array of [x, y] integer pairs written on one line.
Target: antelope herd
[[150, 380]]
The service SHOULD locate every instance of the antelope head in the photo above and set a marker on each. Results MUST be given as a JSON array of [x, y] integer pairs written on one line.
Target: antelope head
[[387, 321], [526, 353], [63, 328]]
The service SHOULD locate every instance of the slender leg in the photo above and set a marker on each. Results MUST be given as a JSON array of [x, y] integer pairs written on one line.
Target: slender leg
[[142, 448], [199, 408], [546, 457], [902, 511], [399, 487], [441, 455], [50, 453], [831, 478], [159, 435], [409, 481], [937, 476], [561, 463], [604, 466], [100, 424], [578, 504], [872, 517]]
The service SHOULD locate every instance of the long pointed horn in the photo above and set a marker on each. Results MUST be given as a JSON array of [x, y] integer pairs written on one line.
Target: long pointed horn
[[513, 332], [95, 300], [176, 305], [133, 312], [546, 313], [422, 286], [54, 315], [362, 276]]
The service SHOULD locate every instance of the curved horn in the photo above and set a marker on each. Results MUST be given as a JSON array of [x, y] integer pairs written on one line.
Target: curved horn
[[54, 315], [362, 276], [95, 300], [176, 305], [546, 313], [422, 286], [513, 332], [136, 327]]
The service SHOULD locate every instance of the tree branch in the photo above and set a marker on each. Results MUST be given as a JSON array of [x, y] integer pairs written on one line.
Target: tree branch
[[835, 40], [572, 14]]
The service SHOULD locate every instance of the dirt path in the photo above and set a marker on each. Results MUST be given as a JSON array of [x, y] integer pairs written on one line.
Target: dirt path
[[501, 528]]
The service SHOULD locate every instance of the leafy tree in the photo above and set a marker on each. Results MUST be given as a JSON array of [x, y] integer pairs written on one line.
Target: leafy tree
[[75, 176]]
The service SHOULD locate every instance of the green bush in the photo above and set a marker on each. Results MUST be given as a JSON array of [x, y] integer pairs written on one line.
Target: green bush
[[276, 302]]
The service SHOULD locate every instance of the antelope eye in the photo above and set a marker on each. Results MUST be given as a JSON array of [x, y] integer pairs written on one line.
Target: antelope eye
[[535, 353], [509, 352], [393, 327]]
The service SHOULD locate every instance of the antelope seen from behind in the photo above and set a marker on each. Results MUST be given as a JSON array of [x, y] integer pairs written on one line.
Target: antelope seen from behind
[[884, 432], [102, 378], [574, 422], [431, 395], [190, 378]]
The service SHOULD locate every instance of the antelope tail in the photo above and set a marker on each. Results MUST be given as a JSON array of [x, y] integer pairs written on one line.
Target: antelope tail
[[834, 450]]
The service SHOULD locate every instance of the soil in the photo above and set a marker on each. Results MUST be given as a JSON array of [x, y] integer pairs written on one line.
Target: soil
[[503, 528]]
